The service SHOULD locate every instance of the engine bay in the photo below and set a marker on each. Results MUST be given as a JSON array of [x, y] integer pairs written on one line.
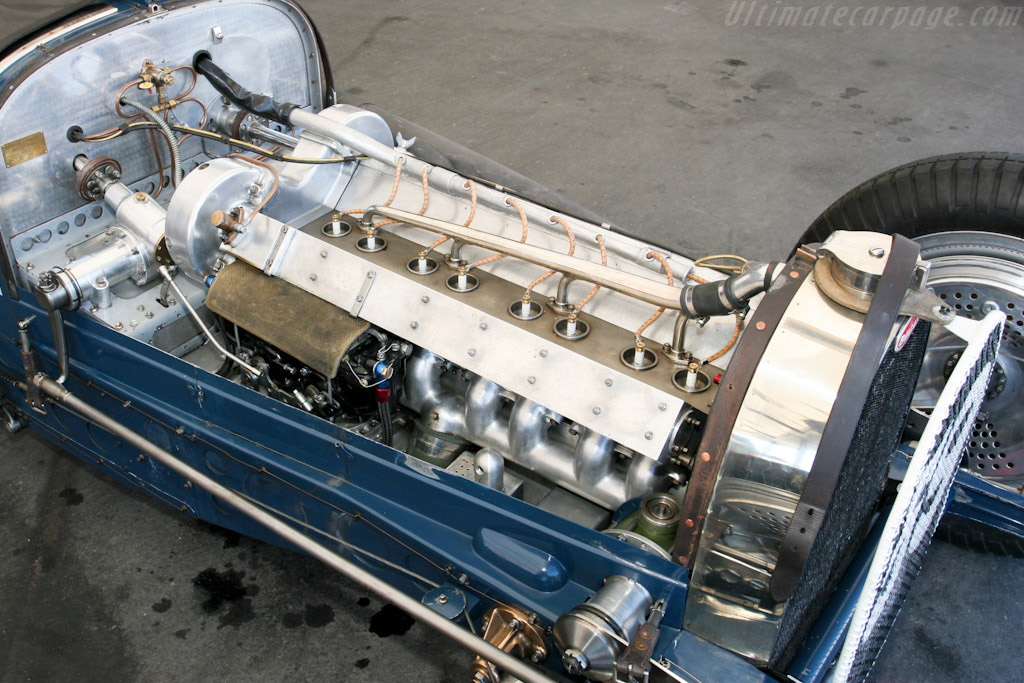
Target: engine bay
[[226, 248]]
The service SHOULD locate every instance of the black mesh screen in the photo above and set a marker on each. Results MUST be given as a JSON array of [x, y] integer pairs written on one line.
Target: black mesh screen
[[858, 488]]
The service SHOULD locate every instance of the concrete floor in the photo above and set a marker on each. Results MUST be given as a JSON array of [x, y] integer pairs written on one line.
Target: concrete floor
[[704, 136]]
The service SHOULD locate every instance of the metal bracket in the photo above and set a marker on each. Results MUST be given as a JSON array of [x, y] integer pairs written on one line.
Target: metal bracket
[[919, 301], [515, 631], [634, 666], [364, 291], [165, 299], [28, 360], [282, 239]]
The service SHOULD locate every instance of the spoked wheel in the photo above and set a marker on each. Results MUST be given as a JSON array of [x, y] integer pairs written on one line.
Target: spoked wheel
[[967, 213], [973, 285]]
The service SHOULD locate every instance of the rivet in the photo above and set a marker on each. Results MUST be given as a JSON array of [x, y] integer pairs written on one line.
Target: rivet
[[597, 411], [543, 353], [608, 382], [531, 380], [689, 523], [414, 324], [424, 298], [323, 254], [877, 252], [483, 326], [662, 407], [760, 325], [312, 277], [705, 456], [648, 435], [794, 274], [471, 352]]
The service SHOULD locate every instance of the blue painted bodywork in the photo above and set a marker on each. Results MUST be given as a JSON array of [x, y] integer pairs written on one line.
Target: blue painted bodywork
[[974, 499], [417, 526]]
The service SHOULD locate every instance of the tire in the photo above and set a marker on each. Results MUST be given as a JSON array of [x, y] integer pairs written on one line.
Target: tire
[[983, 539], [975, 191], [967, 213]]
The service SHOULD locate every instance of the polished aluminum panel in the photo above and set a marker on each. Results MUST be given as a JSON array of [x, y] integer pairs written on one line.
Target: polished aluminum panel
[[449, 200], [265, 45], [606, 397], [771, 450]]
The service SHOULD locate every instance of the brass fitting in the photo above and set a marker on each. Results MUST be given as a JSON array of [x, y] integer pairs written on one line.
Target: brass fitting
[[514, 631]]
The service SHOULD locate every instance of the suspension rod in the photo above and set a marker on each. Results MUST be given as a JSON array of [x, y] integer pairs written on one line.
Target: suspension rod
[[421, 612]]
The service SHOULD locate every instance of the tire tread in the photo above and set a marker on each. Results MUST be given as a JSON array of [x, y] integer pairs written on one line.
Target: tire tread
[[925, 196]]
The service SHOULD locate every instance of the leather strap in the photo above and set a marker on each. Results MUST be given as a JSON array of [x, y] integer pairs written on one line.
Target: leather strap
[[837, 436]]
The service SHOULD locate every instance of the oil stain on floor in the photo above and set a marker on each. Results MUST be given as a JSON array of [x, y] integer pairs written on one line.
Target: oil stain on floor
[[390, 621], [226, 588]]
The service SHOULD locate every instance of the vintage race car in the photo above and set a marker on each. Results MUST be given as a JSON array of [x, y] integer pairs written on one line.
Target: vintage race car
[[572, 451]]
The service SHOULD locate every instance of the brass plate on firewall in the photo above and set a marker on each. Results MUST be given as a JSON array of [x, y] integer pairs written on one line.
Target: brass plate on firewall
[[23, 149]]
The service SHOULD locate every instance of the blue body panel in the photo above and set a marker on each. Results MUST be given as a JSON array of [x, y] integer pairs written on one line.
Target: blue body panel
[[414, 525], [975, 499]]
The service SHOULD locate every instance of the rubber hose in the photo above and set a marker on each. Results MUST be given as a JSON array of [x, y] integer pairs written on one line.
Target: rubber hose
[[722, 297], [385, 419], [261, 105], [171, 140]]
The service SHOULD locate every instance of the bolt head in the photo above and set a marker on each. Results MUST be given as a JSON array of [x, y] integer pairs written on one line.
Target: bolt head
[[574, 661]]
